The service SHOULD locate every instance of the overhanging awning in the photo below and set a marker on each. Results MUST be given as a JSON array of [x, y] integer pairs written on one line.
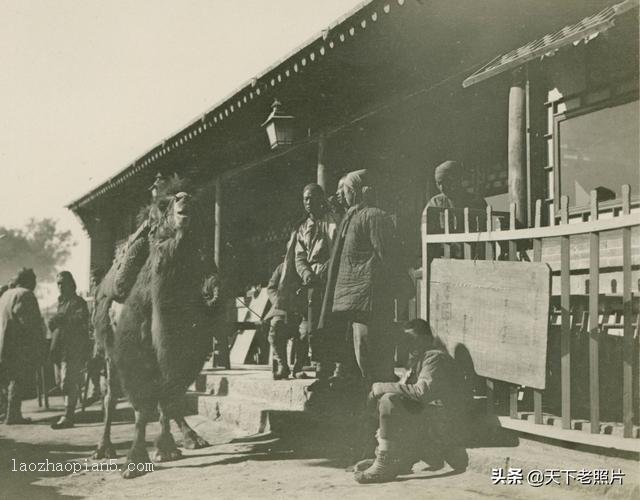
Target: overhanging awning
[[585, 29]]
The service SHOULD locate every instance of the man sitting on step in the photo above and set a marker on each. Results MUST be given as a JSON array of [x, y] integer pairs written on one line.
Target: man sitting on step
[[421, 417]]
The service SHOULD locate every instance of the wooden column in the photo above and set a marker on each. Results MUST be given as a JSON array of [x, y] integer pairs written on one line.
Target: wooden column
[[517, 145], [322, 167], [217, 221]]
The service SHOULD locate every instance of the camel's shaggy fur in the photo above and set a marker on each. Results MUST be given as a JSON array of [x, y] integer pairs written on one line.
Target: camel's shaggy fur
[[164, 330]]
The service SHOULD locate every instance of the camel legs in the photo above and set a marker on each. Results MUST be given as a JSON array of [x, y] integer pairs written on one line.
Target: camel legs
[[105, 448], [190, 438], [138, 459], [166, 448]]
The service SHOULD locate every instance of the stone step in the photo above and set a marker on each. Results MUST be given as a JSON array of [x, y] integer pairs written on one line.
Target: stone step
[[286, 394], [251, 415]]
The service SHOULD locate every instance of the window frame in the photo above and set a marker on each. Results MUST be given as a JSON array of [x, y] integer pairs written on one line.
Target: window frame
[[558, 117]]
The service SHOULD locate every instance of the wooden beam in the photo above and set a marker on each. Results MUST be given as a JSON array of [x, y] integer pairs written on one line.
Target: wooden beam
[[619, 222]]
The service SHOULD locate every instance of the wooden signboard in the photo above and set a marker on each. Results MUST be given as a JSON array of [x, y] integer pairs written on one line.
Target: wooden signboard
[[498, 311]]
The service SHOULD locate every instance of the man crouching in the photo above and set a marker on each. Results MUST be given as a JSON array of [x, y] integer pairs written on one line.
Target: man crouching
[[421, 417]]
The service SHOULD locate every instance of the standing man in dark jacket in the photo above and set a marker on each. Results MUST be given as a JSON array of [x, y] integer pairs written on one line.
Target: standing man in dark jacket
[[421, 417], [362, 277], [21, 341], [70, 344]]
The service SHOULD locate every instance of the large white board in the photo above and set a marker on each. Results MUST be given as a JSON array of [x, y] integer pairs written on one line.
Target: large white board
[[498, 311]]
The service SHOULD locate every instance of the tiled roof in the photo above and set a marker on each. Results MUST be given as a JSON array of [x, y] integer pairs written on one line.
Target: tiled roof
[[585, 29]]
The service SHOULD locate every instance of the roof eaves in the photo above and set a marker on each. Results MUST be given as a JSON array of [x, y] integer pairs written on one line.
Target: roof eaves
[[284, 68], [585, 29]]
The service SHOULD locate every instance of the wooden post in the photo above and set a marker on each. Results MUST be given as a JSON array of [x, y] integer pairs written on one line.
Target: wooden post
[[489, 245], [565, 306], [466, 246], [517, 146], [594, 330], [446, 246], [217, 220], [513, 256], [424, 282], [537, 257], [322, 167]]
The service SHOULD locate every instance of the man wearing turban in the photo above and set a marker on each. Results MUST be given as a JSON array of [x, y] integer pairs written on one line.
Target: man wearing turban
[[448, 177], [360, 282]]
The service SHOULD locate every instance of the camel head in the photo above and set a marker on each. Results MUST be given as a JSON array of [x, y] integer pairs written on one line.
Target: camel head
[[176, 212], [181, 210]]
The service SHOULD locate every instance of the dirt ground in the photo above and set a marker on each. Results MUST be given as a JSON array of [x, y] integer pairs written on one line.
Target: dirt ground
[[233, 467]]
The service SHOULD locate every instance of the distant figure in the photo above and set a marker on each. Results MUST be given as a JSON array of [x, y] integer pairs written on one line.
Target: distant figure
[[21, 341], [70, 344], [362, 278], [421, 417], [96, 365], [313, 242]]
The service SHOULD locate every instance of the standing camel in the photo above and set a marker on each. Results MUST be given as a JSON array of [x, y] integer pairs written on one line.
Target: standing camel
[[162, 288]]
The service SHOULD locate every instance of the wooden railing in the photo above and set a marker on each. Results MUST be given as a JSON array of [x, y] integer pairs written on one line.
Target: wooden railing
[[584, 320]]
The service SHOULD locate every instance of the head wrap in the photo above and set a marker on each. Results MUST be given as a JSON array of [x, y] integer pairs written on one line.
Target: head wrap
[[449, 169], [67, 277], [25, 278], [356, 180]]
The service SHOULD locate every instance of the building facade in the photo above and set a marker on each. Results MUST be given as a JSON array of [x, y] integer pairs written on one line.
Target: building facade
[[537, 100]]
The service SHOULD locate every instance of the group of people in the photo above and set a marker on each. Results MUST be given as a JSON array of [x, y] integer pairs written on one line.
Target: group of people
[[333, 295], [24, 347]]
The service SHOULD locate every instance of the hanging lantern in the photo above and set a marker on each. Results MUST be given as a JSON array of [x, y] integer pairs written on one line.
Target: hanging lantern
[[279, 126]]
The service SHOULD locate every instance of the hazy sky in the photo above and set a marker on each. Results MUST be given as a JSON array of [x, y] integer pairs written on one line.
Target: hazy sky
[[87, 86]]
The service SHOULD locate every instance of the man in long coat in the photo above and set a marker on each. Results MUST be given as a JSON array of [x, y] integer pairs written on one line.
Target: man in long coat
[[21, 341], [70, 344], [362, 279]]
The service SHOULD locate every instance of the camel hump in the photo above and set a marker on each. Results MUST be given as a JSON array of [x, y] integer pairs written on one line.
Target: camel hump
[[127, 263]]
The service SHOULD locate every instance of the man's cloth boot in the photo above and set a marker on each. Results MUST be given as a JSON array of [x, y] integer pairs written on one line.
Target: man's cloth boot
[[282, 371], [66, 421], [63, 423], [384, 468], [14, 406]]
